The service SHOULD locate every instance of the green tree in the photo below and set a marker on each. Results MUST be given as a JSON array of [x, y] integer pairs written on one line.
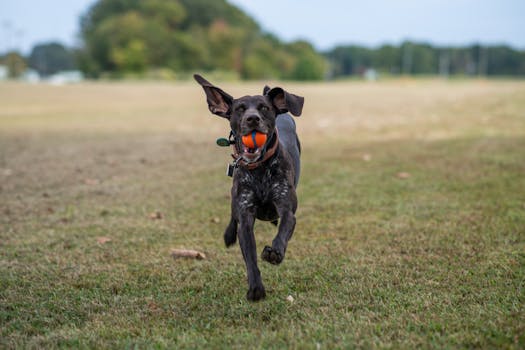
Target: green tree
[[349, 60], [502, 60], [424, 59], [267, 58], [50, 58], [16, 64], [129, 35], [122, 36], [308, 65], [388, 59]]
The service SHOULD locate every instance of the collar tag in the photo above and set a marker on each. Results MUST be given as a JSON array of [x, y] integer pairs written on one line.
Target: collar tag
[[230, 169], [223, 142], [226, 142]]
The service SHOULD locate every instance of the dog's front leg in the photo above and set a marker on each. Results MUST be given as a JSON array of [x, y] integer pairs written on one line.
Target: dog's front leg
[[249, 252], [286, 209]]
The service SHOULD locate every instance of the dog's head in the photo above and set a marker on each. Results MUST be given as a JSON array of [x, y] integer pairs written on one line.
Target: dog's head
[[251, 113]]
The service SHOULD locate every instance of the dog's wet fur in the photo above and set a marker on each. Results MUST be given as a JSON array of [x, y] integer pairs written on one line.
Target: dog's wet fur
[[266, 192]]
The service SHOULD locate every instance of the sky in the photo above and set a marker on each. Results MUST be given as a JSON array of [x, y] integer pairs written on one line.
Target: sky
[[325, 23]]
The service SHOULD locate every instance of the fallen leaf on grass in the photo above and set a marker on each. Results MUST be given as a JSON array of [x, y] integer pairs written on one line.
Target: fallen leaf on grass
[[103, 240], [215, 220], [290, 299], [187, 253], [157, 215], [403, 175], [91, 182], [153, 307]]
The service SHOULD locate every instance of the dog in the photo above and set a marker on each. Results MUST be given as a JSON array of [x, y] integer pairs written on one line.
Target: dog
[[265, 178]]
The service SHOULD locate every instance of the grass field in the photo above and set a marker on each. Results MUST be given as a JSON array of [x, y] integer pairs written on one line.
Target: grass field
[[410, 230]]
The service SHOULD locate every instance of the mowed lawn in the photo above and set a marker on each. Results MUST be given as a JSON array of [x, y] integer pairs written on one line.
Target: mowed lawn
[[410, 229]]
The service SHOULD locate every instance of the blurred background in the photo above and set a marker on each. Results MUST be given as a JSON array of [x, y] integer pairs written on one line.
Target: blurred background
[[411, 224], [64, 40]]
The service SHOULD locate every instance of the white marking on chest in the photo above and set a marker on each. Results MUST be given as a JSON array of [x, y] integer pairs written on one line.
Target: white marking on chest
[[246, 199]]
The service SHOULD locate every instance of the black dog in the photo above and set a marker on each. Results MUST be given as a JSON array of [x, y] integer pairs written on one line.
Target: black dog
[[264, 178]]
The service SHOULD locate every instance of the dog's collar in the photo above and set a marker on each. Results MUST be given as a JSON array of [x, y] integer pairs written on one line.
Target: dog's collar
[[268, 153]]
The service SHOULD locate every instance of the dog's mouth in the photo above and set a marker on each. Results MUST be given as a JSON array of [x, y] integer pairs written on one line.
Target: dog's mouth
[[253, 151], [251, 154]]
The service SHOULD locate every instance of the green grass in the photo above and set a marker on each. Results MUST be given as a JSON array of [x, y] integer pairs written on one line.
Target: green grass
[[433, 260]]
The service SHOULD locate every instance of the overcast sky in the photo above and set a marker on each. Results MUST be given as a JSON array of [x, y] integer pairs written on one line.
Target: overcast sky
[[325, 23]]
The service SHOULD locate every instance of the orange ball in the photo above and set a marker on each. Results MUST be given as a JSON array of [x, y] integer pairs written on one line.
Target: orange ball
[[254, 139]]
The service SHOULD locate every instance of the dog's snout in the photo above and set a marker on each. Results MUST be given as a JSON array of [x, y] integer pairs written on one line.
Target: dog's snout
[[253, 119]]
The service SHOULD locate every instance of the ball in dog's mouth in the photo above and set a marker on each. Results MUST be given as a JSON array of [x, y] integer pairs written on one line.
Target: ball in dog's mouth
[[253, 143]]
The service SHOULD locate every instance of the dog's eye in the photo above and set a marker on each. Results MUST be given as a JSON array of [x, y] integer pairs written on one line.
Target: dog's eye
[[240, 108], [264, 108]]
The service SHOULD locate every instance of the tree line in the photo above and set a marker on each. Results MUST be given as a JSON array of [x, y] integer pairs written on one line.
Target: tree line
[[421, 58], [171, 38]]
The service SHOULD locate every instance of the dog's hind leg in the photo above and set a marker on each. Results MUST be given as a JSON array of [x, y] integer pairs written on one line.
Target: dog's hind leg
[[230, 234]]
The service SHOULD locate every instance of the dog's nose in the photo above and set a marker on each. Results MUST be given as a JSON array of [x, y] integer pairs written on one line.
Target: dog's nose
[[253, 119]]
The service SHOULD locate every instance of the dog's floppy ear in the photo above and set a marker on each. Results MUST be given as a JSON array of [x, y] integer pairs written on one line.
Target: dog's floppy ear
[[219, 102], [284, 101], [266, 89]]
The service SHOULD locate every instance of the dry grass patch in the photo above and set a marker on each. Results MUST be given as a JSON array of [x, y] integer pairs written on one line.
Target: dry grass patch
[[430, 258]]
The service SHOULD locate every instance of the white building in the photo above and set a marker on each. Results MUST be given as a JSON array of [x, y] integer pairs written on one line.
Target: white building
[[66, 77], [4, 72], [30, 76]]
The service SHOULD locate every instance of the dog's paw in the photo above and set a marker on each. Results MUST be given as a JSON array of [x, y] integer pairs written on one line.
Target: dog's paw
[[230, 238], [230, 235], [272, 255], [256, 293]]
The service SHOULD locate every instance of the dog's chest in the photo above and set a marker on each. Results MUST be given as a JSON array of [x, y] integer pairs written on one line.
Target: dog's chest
[[262, 186]]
